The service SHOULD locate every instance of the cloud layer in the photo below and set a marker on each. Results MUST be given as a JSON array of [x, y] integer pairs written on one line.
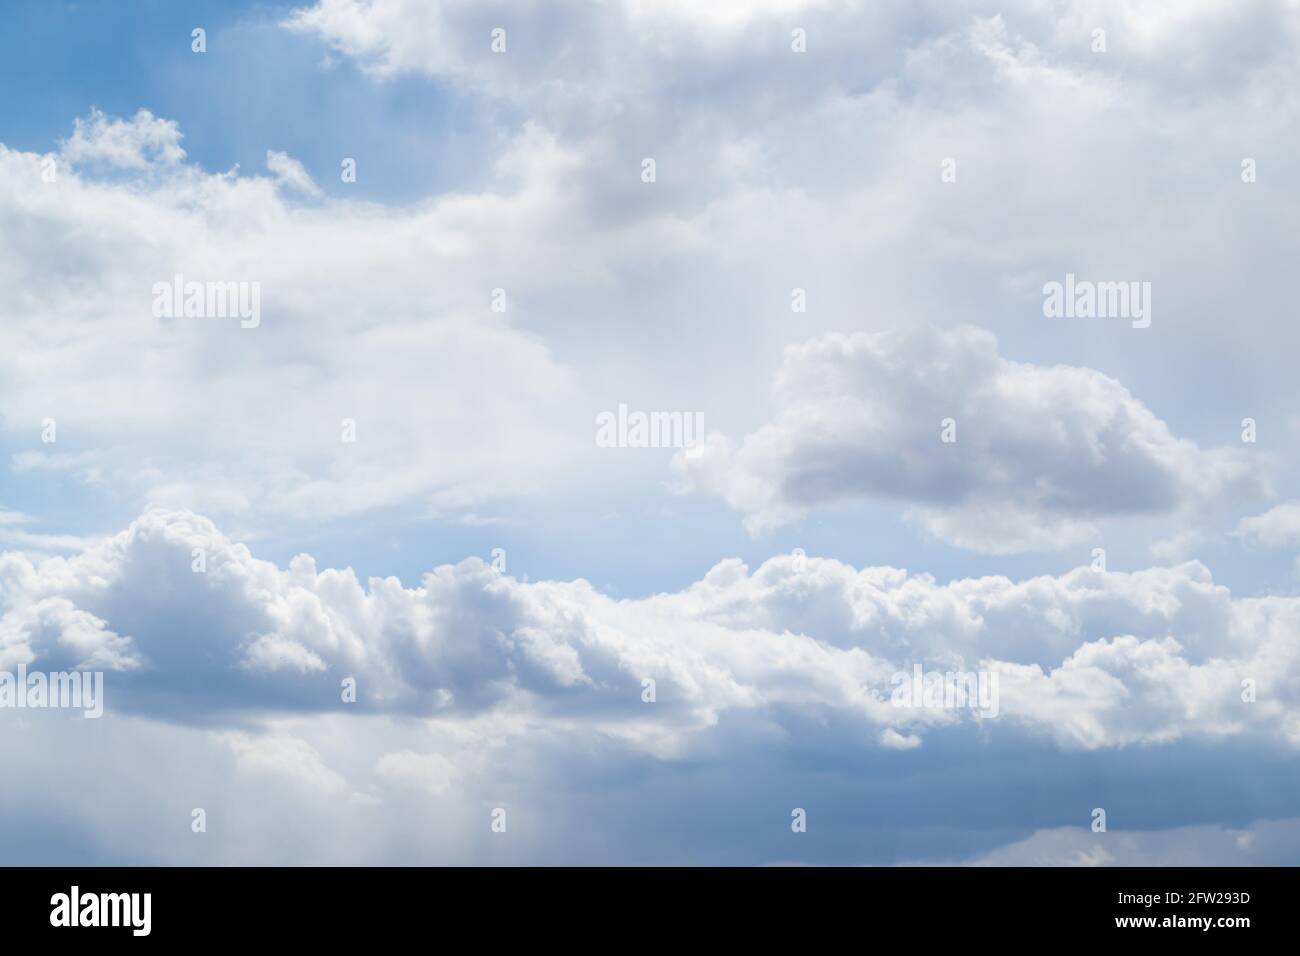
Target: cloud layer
[[376, 316], [476, 690], [1088, 660]]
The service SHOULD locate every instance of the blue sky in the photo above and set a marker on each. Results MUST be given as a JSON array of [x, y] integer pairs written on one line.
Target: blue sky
[[258, 87], [822, 535]]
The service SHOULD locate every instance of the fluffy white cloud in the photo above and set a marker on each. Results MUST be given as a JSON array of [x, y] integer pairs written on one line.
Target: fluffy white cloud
[[1032, 458], [138, 143], [1089, 660], [477, 691], [60, 635], [1279, 527]]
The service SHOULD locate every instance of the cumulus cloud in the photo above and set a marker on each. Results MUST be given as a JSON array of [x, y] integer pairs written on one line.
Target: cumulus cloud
[[51, 630], [994, 454], [1279, 527], [476, 690], [1088, 660], [137, 143]]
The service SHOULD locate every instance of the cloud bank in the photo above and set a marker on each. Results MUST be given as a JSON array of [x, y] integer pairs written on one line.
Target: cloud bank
[[1088, 659], [476, 690]]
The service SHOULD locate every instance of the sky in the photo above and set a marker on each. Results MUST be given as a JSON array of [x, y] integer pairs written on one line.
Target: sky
[[824, 229]]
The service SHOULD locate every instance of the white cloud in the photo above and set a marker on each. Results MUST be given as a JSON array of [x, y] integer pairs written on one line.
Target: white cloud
[[377, 315], [56, 633], [291, 173], [476, 690], [1148, 657], [139, 143], [1279, 527], [1040, 453]]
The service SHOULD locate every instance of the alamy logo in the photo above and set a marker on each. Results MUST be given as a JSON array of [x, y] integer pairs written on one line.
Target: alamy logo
[[209, 300], [947, 690], [103, 909], [649, 430], [60, 689], [1098, 300]]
